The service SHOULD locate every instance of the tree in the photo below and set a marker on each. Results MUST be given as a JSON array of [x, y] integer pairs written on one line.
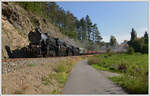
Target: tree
[[139, 44], [89, 27], [133, 35], [113, 41], [52, 11], [83, 29], [145, 46], [96, 35], [146, 37]]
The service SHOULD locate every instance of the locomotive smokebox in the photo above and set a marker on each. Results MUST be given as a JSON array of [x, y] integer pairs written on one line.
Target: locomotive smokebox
[[34, 36]]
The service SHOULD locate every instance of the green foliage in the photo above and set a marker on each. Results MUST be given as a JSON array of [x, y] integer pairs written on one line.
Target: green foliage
[[68, 24], [59, 77], [108, 51], [61, 68], [37, 8], [54, 92], [99, 67], [31, 65], [145, 48], [139, 44], [146, 38], [134, 68], [130, 50], [113, 41], [46, 83], [132, 85], [133, 35]]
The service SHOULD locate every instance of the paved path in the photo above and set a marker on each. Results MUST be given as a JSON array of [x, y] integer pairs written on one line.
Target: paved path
[[84, 79]]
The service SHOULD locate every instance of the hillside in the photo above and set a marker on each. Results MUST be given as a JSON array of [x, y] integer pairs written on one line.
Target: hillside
[[18, 22]]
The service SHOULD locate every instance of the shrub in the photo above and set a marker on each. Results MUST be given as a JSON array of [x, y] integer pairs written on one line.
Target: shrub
[[93, 60], [108, 51], [61, 68], [145, 48], [130, 50]]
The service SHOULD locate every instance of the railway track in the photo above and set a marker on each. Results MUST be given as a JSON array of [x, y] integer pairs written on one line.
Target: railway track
[[22, 59]]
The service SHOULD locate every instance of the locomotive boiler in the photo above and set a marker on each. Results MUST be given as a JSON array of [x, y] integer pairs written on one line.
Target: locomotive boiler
[[42, 45]]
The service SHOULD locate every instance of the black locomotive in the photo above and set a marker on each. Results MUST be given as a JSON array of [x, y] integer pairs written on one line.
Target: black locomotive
[[42, 45]]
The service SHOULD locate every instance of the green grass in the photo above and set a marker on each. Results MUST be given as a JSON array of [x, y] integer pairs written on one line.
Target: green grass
[[64, 67], [19, 92], [54, 92], [99, 67], [46, 83], [58, 77], [61, 77], [133, 67], [61, 68], [31, 65], [134, 85]]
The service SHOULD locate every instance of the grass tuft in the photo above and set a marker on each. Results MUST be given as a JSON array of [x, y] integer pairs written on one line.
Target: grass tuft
[[31, 65]]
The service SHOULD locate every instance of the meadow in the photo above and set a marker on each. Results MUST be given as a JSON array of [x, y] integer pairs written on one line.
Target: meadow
[[133, 69]]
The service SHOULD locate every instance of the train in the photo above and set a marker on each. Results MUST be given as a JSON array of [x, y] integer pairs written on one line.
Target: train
[[42, 45]]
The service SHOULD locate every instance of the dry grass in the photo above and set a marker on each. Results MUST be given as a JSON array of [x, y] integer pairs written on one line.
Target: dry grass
[[93, 60], [44, 78]]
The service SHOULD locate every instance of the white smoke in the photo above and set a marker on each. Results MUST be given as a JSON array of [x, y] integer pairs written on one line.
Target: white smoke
[[44, 36]]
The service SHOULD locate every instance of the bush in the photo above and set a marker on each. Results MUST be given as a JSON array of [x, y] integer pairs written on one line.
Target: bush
[[108, 51], [130, 50], [145, 48], [93, 60], [61, 68]]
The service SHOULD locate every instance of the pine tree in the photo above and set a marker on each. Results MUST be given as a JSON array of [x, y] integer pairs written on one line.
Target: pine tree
[[89, 27], [133, 35], [83, 29], [146, 37], [68, 24], [96, 38]]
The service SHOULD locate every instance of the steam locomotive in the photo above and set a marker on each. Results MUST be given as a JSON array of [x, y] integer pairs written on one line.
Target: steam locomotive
[[42, 45]]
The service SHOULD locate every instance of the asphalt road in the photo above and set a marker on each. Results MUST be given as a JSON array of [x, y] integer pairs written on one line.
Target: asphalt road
[[84, 79]]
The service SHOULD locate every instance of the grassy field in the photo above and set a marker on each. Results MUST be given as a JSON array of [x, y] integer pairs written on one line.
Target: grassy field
[[134, 69]]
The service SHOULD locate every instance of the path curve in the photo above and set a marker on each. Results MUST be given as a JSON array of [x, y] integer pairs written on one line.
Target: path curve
[[84, 79]]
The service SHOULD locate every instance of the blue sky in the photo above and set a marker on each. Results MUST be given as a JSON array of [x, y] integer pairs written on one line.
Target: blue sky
[[112, 18]]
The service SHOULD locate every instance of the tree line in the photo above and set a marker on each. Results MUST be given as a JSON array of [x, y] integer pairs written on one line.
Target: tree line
[[138, 44], [82, 30]]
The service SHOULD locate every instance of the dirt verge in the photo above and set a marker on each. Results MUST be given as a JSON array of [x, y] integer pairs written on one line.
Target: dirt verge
[[43, 76]]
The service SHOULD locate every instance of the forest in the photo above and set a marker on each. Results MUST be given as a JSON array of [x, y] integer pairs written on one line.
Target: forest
[[83, 30]]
